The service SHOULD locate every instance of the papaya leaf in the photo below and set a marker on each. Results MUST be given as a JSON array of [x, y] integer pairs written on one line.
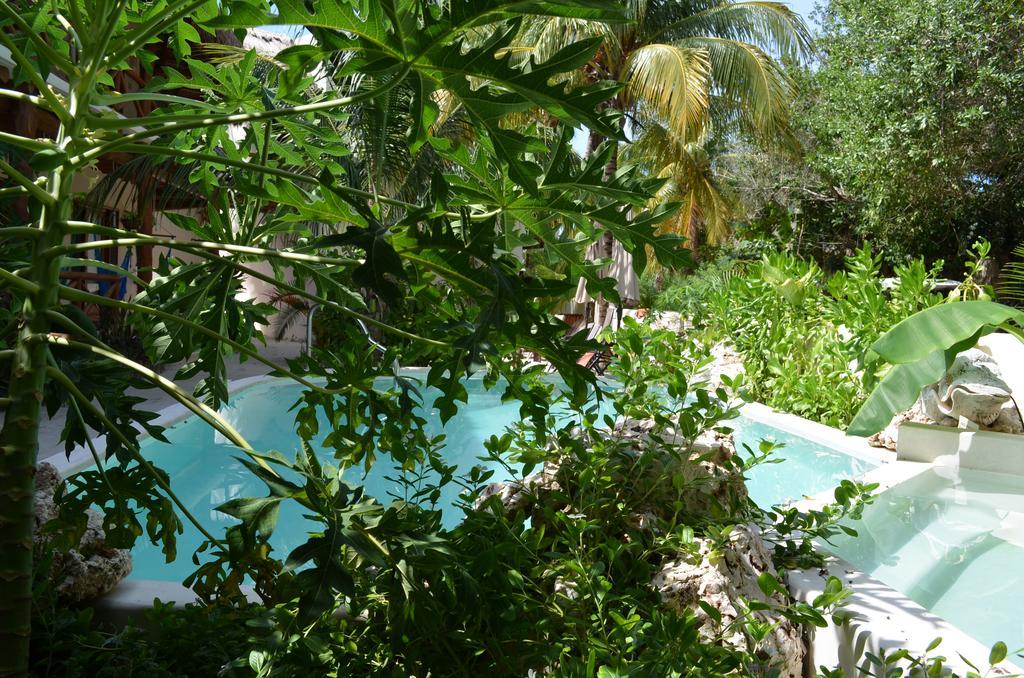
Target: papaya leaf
[[382, 266], [258, 514]]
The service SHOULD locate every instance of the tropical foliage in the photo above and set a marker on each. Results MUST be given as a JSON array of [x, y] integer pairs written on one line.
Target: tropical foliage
[[264, 159], [797, 329], [913, 116], [506, 591], [693, 72], [410, 170], [1011, 288]]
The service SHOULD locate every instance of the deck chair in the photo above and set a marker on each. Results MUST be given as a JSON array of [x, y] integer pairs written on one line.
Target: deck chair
[[122, 283], [599, 360]]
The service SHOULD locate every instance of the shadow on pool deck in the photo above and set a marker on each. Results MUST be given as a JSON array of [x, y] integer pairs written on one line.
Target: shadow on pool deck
[[156, 400]]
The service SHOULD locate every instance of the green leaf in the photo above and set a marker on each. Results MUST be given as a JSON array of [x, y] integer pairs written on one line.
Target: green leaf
[[185, 33], [939, 327], [381, 267], [997, 654], [710, 611], [897, 391], [259, 515], [768, 584]]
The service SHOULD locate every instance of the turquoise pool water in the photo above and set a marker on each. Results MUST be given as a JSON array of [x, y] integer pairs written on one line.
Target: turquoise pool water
[[953, 542], [204, 472]]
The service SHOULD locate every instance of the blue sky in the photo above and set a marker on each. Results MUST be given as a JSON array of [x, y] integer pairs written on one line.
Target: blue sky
[[805, 7]]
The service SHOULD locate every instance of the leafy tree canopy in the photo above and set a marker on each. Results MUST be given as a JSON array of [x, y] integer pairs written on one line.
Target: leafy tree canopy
[[915, 115]]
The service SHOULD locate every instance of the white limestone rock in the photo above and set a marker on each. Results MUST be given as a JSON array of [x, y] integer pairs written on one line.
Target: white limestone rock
[[522, 495], [668, 320], [1009, 419], [726, 362], [724, 578], [704, 470], [91, 569]]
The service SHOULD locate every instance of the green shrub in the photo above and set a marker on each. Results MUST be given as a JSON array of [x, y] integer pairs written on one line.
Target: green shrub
[[562, 588], [193, 640], [804, 336]]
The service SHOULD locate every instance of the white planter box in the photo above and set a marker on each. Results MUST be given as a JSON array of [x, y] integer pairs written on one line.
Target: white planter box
[[980, 450]]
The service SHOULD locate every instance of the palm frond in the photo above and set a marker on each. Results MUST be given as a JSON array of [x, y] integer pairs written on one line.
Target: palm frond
[[1011, 284], [226, 55], [773, 26], [674, 83], [750, 83], [542, 37], [690, 181], [292, 309]]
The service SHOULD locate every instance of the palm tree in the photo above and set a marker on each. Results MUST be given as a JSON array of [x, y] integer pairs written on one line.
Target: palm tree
[[690, 180], [693, 70]]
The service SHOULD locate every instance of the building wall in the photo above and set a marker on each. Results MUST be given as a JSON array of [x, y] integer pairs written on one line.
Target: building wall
[[123, 199]]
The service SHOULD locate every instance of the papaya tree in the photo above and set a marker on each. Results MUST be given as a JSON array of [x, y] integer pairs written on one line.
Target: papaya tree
[[262, 159]]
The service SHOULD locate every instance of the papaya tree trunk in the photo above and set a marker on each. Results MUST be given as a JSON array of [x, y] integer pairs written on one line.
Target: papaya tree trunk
[[17, 485], [20, 433]]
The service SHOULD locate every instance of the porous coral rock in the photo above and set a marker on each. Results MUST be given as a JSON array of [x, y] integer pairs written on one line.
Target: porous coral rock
[[722, 578], [725, 362], [668, 320], [1009, 419], [703, 470], [91, 569], [522, 495]]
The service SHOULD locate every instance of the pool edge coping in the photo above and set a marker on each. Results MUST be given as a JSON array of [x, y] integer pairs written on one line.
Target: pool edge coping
[[822, 434], [883, 618]]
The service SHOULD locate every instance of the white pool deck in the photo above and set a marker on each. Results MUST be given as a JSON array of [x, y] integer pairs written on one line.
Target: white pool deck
[[883, 619]]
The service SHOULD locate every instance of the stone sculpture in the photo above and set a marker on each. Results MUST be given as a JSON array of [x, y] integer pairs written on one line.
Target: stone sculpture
[[972, 394], [972, 389]]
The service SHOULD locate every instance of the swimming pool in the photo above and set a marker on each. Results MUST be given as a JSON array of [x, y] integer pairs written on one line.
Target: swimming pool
[[952, 540], [204, 472]]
